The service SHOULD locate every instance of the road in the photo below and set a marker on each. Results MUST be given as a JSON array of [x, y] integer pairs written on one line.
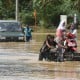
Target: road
[[17, 62]]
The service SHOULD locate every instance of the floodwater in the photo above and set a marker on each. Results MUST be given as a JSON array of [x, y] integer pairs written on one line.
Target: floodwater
[[19, 61]]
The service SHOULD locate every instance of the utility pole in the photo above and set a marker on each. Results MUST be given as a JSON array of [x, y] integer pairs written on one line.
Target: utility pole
[[16, 13]]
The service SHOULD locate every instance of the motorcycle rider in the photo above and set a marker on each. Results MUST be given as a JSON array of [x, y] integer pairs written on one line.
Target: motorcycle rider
[[61, 30]]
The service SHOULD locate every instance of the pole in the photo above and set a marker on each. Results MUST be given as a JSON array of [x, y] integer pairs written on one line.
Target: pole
[[35, 23], [35, 18], [16, 14]]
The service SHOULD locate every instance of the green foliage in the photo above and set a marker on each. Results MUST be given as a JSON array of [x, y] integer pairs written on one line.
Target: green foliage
[[7, 9], [27, 18], [48, 11]]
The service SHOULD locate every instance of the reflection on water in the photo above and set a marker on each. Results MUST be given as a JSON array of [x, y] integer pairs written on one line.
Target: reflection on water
[[65, 70], [23, 69], [21, 46], [41, 71]]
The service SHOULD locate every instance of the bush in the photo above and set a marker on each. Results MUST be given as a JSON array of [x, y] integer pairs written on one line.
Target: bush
[[27, 19]]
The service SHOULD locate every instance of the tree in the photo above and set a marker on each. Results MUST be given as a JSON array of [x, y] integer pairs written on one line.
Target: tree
[[48, 11]]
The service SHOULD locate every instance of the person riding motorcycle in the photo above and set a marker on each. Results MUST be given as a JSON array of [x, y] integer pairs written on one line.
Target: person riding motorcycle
[[60, 34]]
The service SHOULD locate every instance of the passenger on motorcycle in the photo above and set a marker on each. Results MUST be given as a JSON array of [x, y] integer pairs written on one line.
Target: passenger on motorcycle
[[73, 31]]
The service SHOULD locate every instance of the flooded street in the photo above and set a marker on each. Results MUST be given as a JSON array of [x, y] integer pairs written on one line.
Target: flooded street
[[19, 61]]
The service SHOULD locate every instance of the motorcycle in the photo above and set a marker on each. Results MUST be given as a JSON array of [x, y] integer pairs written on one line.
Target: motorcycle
[[69, 54], [70, 50]]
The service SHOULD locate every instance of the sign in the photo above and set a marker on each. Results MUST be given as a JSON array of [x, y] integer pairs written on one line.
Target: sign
[[63, 17], [75, 18]]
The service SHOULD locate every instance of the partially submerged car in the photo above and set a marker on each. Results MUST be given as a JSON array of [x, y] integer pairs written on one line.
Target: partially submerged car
[[11, 30]]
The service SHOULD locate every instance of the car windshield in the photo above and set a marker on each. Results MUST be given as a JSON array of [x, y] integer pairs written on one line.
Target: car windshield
[[10, 26]]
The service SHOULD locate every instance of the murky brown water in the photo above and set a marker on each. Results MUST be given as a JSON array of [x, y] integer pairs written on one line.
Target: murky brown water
[[19, 61]]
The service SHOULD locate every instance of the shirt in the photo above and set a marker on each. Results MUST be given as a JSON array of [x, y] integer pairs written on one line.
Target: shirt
[[28, 31]]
